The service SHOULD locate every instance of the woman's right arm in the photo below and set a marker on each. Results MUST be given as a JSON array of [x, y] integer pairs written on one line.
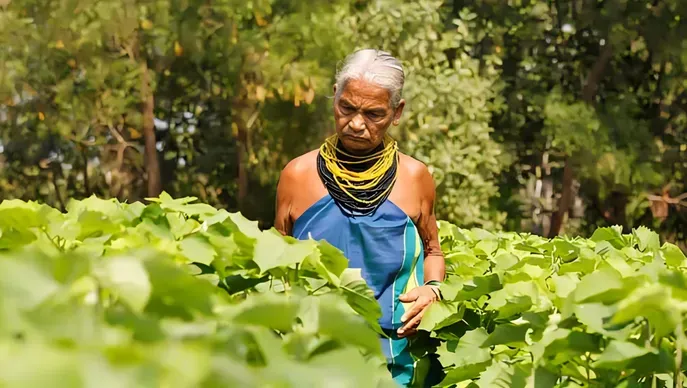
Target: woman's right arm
[[282, 221]]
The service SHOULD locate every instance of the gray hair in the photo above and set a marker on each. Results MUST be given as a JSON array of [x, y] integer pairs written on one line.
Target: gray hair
[[375, 66]]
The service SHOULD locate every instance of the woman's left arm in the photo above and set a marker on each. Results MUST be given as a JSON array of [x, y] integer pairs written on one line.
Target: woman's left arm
[[434, 266]]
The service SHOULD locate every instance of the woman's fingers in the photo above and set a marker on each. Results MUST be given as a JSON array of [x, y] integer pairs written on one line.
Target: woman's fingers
[[408, 333], [419, 304], [413, 317]]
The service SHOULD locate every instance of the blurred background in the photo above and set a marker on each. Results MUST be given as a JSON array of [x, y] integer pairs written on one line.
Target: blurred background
[[544, 116]]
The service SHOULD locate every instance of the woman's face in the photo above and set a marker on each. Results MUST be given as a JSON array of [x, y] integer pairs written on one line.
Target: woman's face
[[363, 113]]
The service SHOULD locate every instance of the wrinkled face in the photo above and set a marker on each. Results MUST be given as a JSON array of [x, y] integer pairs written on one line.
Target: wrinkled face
[[363, 114]]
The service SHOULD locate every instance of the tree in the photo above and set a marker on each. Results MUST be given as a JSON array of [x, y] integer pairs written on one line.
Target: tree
[[589, 88]]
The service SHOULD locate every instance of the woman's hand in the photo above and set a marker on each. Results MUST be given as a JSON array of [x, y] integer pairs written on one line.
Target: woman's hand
[[423, 297]]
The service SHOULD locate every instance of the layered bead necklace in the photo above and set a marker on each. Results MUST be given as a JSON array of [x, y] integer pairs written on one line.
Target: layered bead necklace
[[358, 184]]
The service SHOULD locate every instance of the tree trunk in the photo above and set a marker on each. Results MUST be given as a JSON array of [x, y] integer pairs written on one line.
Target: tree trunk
[[152, 164], [589, 90], [558, 217], [242, 161], [591, 85], [86, 183]]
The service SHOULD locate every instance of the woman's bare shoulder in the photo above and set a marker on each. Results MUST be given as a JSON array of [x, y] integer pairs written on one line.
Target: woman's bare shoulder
[[413, 167], [301, 165]]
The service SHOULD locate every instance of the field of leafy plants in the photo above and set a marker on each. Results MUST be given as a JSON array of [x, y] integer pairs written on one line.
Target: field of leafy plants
[[175, 293]]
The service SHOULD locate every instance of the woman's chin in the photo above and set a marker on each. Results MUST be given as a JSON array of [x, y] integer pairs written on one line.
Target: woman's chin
[[359, 146]]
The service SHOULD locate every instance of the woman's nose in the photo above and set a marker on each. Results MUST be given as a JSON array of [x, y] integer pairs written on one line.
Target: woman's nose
[[358, 123]]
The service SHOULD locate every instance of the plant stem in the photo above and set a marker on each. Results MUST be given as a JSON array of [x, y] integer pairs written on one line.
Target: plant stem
[[679, 336], [586, 358]]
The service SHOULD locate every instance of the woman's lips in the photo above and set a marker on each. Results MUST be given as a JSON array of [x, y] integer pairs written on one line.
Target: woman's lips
[[355, 138]]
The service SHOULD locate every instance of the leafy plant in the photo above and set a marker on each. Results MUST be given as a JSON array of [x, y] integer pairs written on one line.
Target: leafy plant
[[524, 311], [177, 293]]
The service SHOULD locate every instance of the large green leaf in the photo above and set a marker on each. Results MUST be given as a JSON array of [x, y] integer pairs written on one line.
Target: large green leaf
[[127, 277], [508, 334], [514, 298], [441, 314], [275, 311], [26, 280], [673, 255], [612, 235], [329, 315], [619, 353], [326, 261], [361, 298], [647, 239], [272, 251], [465, 359], [597, 284], [597, 318], [19, 215], [500, 374], [471, 289], [197, 249], [652, 302], [558, 341]]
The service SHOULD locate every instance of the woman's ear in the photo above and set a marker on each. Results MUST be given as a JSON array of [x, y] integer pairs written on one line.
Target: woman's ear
[[398, 111]]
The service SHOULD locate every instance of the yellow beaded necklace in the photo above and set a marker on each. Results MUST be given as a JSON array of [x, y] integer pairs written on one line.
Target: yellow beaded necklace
[[366, 187]]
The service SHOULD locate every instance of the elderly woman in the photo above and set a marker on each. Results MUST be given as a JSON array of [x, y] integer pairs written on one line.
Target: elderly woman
[[358, 192]]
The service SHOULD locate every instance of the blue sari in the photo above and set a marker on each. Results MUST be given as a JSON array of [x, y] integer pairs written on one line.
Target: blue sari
[[387, 247]]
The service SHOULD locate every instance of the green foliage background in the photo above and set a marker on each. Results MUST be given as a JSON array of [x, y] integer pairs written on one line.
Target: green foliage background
[[554, 117]]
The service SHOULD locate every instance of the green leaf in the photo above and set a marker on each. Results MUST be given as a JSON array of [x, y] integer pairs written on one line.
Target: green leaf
[[473, 288], [18, 214], [580, 265], [441, 314], [361, 298], [596, 284], [611, 234], [514, 298], [619, 263], [126, 277], [594, 315], [175, 292], [197, 249], [57, 365], [12, 238], [466, 358], [619, 353], [565, 284], [673, 255], [487, 246], [564, 342], [678, 283], [500, 374], [653, 302], [327, 261], [565, 250], [648, 239], [543, 378], [26, 281], [272, 251], [505, 261], [275, 311], [331, 316], [95, 224], [507, 334]]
